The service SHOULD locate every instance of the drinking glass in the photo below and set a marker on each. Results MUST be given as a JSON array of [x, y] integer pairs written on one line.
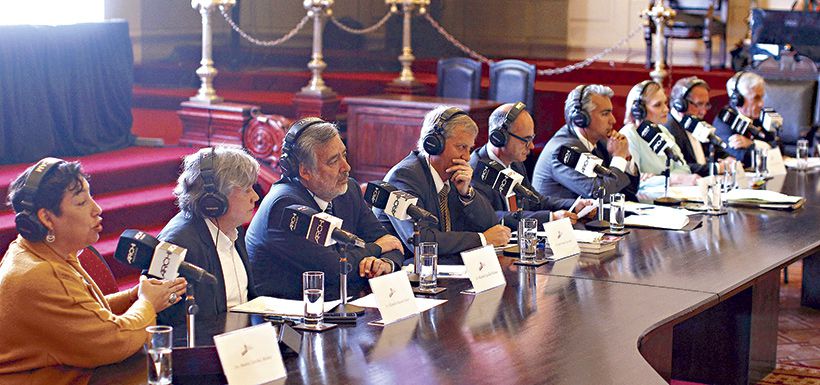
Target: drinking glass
[[313, 294], [160, 342], [527, 239], [714, 198], [760, 160], [802, 154], [429, 265], [617, 212]]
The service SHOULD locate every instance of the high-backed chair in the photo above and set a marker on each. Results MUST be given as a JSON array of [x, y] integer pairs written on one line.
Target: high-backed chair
[[458, 77], [512, 81], [695, 19], [96, 266]]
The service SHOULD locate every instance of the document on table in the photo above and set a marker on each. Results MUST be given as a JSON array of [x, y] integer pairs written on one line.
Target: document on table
[[277, 306]]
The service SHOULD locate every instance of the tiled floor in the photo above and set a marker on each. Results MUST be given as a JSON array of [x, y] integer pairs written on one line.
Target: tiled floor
[[798, 335]]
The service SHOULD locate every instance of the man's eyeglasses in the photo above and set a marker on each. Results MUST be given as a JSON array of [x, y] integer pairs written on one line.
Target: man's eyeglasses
[[705, 105], [527, 140]]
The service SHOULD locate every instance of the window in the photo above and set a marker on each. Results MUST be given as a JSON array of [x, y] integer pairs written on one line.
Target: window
[[51, 12]]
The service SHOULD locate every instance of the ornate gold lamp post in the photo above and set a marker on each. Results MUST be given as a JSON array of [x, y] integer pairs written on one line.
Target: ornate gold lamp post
[[206, 71], [662, 17], [406, 82], [319, 10]]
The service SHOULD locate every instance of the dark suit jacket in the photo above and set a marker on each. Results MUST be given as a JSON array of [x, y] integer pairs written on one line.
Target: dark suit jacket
[[191, 232], [278, 257], [553, 178], [413, 175], [540, 210], [686, 148], [742, 154]]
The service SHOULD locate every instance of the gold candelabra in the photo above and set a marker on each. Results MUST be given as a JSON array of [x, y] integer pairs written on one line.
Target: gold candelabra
[[319, 10], [206, 71], [661, 17], [406, 58]]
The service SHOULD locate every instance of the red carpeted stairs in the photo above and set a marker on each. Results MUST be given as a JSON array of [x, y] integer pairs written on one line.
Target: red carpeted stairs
[[132, 185]]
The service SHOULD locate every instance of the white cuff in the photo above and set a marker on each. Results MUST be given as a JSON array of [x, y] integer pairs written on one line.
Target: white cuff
[[619, 163], [483, 240]]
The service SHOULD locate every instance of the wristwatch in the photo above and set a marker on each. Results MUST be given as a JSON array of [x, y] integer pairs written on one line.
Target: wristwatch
[[470, 194]]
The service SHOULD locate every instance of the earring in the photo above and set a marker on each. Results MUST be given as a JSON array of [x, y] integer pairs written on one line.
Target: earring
[[50, 238]]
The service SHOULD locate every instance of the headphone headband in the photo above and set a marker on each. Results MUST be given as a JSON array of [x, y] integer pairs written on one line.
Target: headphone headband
[[736, 99], [578, 117], [681, 103], [25, 219], [288, 161], [433, 142], [638, 109], [500, 135]]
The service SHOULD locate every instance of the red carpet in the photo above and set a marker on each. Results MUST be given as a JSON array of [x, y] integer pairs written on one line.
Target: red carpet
[[134, 188]]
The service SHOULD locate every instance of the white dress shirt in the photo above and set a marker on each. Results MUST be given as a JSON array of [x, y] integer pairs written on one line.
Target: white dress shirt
[[233, 270]]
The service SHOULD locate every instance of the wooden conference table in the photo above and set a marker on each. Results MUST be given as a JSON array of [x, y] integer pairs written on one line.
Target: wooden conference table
[[699, 306]]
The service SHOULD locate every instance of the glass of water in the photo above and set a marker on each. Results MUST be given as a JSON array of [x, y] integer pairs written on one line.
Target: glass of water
[[617, 212], [729, 180], [429, 266], [527, 239], [714, 199], [160, 342], [802, 154], [760, 159], [313, 294]]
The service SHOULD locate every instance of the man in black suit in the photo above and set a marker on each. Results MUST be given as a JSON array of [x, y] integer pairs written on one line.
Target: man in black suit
[[746, 93], [512, 132], [316, 175], [215, 195], [589, 128], [439, 174]]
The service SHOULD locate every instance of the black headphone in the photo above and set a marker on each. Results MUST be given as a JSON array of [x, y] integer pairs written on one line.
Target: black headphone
[[433, 142], [500, 135], [638, 110], [681, 104], [212, 203], [26, 220], [736, 99], [578, 116], [288, 161]]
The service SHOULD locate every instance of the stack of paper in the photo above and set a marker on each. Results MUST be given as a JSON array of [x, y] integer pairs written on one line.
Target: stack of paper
[[658, 219], [763, 199], [277, 306]]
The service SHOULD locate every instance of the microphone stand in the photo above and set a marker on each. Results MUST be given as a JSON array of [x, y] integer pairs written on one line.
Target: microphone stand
[[344, 268], [599, 191], [191, 308], [666, 200]]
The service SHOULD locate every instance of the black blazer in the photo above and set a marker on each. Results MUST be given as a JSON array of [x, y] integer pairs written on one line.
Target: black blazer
[[191, 232], [540, 210], [742, 154], [553, 178], [413, 175], [278, 257], [682, 139]]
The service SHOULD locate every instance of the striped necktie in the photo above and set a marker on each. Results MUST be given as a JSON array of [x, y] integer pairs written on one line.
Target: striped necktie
[[329, 208], [444, 207]]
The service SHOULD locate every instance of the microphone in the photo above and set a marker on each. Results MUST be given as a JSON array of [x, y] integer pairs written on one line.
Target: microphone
[[772, 121], [702, 131], [162, 259], [583, 162], [740, 124], [396, 203], [651, 134], [320, 228], [504, 180]]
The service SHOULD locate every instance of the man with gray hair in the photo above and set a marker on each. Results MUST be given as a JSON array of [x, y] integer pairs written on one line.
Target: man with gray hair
[[316, 175], [746, 92], [439, 174], [589, 129]]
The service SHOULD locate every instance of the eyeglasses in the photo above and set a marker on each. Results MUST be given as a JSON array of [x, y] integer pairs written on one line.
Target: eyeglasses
[[706, 105], [527, 140]]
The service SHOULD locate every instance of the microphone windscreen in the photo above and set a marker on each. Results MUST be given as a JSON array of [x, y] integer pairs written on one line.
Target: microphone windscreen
[[136, 248], [296, 219], [378, 193]]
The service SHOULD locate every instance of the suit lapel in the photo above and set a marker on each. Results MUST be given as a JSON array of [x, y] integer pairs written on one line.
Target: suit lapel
[[215, 265], [429, 177]]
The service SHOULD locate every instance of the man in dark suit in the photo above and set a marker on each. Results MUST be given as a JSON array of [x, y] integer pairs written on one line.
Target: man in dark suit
[[588, 112], [512, 131], [439, 174], [746, 92], [690, 96], [211, 229], [317, 176]]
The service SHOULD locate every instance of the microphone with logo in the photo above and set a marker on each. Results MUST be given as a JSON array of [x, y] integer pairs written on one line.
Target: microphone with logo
[[589, 165], [504, 180], [741, 124], [702, 131], [320, 228], [652, 135], [162, 259], [396, 203]]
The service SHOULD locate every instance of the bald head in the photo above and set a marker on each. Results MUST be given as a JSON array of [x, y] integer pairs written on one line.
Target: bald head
[[521, 132]]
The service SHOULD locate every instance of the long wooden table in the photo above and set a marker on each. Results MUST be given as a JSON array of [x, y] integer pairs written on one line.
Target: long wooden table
[[699, 306]]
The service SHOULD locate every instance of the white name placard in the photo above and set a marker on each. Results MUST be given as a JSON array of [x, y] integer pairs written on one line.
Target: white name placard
[[394, 296], [775, 163], [251, 355], [483, 268], [561, 238]]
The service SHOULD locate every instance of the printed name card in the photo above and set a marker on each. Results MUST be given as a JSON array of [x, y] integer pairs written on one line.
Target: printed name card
[[483, 268], [775, 163], [561, 238], [250, 355], [394, 296]]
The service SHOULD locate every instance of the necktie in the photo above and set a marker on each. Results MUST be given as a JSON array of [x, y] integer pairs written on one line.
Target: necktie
[[329, 208], [444, 208]]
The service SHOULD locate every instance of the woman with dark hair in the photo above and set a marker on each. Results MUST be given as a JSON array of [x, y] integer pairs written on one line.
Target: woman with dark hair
[[56, 323]]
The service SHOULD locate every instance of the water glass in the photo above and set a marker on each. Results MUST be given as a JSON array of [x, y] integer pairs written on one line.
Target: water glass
[[714, 198], [429, 265], [729, 180], [802, 154], [160, 342], [313, 294], [527, 239], [617, 212], [759, 160]]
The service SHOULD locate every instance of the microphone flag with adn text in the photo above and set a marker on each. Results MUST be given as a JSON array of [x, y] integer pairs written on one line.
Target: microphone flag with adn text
[[162, 259], [504, 180], [320, 228], [396, 203], [702, 131], [770, 119], [652, 135], [583, 162], [740, 124]]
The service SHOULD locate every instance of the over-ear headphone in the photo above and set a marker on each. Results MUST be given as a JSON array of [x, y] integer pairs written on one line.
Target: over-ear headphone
[[26, 220], [212, 203], [433, 142], [578, 116], [638, 110], [288, 161], [681, 104], [736, 99], [500, 135]]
